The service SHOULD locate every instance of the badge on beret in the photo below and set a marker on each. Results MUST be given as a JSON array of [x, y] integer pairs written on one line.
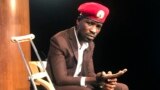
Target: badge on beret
[[100, 14]]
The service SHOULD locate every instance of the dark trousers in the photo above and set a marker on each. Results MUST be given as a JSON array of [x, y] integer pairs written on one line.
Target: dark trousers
[[119, 86]]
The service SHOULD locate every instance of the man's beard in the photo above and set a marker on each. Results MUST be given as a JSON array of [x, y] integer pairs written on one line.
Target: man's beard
[[84, 38]]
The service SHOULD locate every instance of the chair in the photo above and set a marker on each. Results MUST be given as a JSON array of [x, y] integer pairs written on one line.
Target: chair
[[36, 67], [36, 70]]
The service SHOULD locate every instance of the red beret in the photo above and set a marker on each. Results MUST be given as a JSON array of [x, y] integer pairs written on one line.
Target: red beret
[[94, 11]]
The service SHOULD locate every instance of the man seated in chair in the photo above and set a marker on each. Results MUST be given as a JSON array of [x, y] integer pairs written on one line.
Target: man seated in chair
[[70, 63]]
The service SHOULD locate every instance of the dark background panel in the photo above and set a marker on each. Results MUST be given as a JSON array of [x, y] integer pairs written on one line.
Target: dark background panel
[[130, 37]]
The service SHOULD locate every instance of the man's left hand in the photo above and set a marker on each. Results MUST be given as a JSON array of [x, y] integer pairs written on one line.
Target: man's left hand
[[110, 84]]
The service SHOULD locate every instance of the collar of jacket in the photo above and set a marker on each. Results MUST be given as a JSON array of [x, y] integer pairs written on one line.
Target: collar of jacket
[[73, 42]]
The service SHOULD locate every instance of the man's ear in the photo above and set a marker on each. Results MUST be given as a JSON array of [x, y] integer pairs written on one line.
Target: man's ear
[[77, 22]]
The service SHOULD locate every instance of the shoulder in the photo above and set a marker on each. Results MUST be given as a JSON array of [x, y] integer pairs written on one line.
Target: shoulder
[[61, 38], [62, 34]]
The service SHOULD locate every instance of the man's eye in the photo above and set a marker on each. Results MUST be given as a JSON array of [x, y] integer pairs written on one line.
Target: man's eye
[[99, 26], [90, 23]]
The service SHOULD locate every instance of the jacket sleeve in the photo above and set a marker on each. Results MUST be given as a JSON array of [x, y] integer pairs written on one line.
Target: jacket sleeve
[[90, 64]]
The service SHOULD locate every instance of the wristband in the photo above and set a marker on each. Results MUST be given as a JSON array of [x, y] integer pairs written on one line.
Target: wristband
[[82, 81]]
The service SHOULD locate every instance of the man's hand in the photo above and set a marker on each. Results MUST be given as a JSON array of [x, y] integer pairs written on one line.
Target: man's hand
[[108, 81], [110, 84], [105, 76]]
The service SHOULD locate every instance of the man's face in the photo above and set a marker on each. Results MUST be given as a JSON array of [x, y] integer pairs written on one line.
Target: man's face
[[88, 29]]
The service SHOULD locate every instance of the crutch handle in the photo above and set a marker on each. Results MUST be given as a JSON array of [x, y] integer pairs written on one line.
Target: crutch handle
[[23, 38]]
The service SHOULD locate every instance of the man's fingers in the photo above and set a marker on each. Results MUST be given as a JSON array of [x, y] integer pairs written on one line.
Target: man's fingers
[[118, 74], [109, 72], [112, 80], [104, 73], [110, 75], [124, 70], [110, 86]]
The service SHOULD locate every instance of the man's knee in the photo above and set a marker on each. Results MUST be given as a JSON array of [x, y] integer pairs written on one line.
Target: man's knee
[[121, 86], [72, 88]]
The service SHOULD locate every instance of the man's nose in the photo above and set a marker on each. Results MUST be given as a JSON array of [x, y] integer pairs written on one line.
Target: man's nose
[[93, 29]]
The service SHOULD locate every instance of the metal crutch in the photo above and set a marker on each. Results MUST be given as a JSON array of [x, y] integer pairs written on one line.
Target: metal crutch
[[32, 77]]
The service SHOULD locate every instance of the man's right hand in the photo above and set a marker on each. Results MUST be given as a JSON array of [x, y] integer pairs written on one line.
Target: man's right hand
[[108, 81], [105, 76]]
